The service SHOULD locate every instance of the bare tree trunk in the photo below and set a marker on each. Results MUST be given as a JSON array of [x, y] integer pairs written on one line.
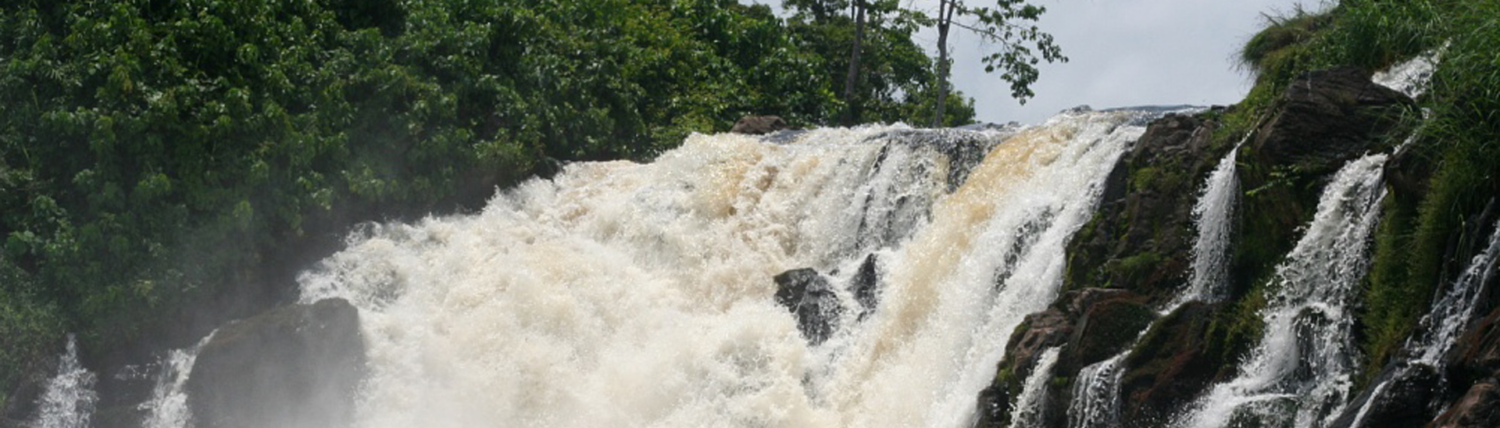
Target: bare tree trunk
[[945, 18], [848, 117]]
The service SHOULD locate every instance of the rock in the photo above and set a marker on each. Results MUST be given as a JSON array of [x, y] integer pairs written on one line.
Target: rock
[[1327, 117], [1105, 329], [808, 295], [1476, 354], [1093, 323], [1173, 364], [1479, 407], [758, 125], [1403, 402], [866, 285], [1142, 234], [293, 366]]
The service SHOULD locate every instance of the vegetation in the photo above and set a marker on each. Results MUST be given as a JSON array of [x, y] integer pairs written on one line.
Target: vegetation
[[1427, 233], [154, 154]]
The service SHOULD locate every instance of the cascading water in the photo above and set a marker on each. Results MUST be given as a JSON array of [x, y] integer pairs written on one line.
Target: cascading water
[[1028, 406], [1300, 373], [1212, 214], [1096, 395], [167, 407], [69, 398], [1442, 325], [631, 294]]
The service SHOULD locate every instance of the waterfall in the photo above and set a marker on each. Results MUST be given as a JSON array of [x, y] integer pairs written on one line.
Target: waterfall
[[1442, 325], [1096, 395], [640, 294], [1212, 215], [1028, 408], [1300, 372], [68, 399], [167, 407]]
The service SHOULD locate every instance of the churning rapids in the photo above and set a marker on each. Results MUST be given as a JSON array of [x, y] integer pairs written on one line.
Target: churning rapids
[[624, 294]]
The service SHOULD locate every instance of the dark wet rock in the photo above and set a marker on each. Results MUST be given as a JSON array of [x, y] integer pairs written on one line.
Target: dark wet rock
[[1476, 354], [809, 297], [1141, 236], [1093, 323], [293, 366], [1327, 117], [1405, 400], [1478, 407], [1174, 363], [758, 125], [866, 285], [1104, 330]]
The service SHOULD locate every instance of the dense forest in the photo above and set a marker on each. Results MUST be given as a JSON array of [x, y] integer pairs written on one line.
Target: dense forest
[[162, 159]]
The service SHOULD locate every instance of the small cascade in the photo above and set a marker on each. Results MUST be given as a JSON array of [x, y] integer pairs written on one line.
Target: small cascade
[[1442, 325], [1212, 215], [1413, 76], [1096, 395], [1300, 374], [69, 398], [1445, 322], [167, 407], [1028, 406]]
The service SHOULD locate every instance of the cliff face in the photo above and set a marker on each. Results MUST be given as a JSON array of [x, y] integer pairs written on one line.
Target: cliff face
[[1139, 249]]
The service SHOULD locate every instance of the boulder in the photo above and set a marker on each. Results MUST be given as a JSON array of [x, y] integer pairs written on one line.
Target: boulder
[[866, 285], [1327, 117], [1476, 354], [758, 125], [1404, 400], [293, 366], [1174, 363], [1479, 407], [812, 300]]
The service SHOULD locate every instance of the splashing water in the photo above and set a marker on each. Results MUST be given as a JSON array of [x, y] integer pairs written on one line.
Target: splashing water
[[167, 407], [1096, 395], [1442, 325], [1028, 406], [1212, 215], [1413, 76], [1301, 372], [628, 294], [69, 398]]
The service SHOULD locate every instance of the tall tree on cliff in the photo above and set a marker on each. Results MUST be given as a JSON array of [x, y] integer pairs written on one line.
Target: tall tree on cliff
[[1005, 26]]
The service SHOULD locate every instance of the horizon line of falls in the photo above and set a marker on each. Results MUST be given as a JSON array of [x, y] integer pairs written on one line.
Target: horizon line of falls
[[632, 294], [1300, 374]]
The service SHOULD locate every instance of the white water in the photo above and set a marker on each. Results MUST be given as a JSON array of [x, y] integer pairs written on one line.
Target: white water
[[1413, 76], [69, 398], [1212, 220], [167, 407], [623, 294], [1442, 325], [1300, 373], [1096, 395], [1028, 408]]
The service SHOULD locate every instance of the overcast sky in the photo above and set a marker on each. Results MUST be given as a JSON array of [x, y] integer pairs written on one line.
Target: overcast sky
[[1121, 53]]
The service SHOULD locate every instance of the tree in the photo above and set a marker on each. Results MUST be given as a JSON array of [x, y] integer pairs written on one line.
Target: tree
[[1004, 26]]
